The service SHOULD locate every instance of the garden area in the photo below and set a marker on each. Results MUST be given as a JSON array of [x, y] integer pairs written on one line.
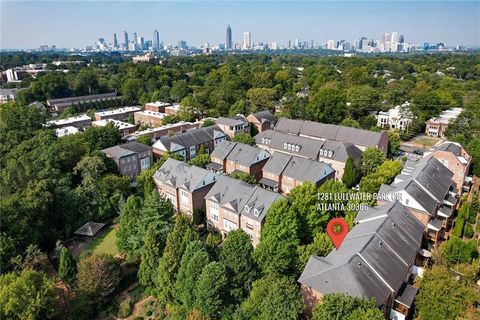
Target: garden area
[[105, 243]]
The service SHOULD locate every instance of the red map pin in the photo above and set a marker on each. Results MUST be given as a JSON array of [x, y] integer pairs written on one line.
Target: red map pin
[[337, 230]]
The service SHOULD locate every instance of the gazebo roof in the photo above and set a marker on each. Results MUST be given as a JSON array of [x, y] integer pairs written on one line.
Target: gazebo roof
[[89, 229]]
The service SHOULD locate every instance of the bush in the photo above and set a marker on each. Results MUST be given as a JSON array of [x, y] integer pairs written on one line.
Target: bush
[[199, 216], [477, 229], [125, 308], [468, 230], [81, 308], [458, 229]]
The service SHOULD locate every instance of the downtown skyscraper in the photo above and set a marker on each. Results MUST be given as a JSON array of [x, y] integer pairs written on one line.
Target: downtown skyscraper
[[115, 42], [125, 40], [228, 39], [156, 40], [247, 41]]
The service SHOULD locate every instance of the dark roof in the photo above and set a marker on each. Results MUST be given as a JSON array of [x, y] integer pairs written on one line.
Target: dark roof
[[330, 131], [307, 147], [406, 295], [235, 121], [268, 182], [69, 100], [214, 166], [192, 137], [182, 175], [450, 147], [90, 229], [242, 198], [374, 258], [118, 152], [263, 116], [136, 147], [241, 153]]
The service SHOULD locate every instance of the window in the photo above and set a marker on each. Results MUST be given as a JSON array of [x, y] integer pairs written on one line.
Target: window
[[285, 146], [145, 163], [214, 211], [184, 198], [193, 152], [229, 226]]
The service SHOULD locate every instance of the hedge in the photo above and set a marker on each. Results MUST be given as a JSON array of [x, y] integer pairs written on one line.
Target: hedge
[[468, 230], [458, 229]]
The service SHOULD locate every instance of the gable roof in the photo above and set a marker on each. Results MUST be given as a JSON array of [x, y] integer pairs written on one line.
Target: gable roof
[[452, 147], [318, 130], [231, 122], [117, 152], [427, 181], [264, 116], [298, 168], [242, 198], [190, 138], [241, 153], [179, 174], [136, 147], [307, 147], [374, 258]]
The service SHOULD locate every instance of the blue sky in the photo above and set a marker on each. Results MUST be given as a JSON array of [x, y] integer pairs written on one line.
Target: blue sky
[[29, 24]]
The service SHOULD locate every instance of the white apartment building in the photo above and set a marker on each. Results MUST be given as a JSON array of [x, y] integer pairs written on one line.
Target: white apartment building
[[399, 118]]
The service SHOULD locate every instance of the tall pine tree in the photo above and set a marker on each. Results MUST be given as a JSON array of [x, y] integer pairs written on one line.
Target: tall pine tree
[[151, 255], [350, 173], [210, 290], [237, 256], [193, 261], [177, 240], [127, 235], [67, 268]]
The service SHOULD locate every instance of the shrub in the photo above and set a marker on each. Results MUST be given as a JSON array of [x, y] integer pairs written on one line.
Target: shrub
[[199, 216], [468, 230], [125, 308], [458, 229], [81, 308]]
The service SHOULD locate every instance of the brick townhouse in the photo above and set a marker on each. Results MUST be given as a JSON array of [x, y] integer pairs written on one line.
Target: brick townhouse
[[233, 126], [233, 204], [262, 120], [283, 172], [187, 144], [184, 185], [229, 157], [131, 158], [334, 153]]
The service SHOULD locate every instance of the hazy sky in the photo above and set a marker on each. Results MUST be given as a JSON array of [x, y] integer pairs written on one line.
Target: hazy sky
[[29, 24]]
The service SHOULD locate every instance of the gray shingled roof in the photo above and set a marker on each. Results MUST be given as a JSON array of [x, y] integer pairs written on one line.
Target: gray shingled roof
[[235, 195], [373, 259], [450, 147], [263, 116], [118, 152], [232, 122], [308, 148], [135, 146], [329, 131], [299, 168], [241, 153], [192, 137], [182, 175], [90, 229], [406, 295], [427, 181]]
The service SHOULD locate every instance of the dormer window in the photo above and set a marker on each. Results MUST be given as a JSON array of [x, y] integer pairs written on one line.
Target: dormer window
[[289, 147], [247, 209], [330, 154], [321, 152], [256, 212], [285, 146], [263, 140], [297, 148]]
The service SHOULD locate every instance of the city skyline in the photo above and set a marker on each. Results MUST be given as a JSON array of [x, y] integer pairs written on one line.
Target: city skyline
[[452, 23]]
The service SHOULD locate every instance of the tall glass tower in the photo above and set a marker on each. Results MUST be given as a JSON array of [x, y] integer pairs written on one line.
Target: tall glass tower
[[228, 40], [156, 40]]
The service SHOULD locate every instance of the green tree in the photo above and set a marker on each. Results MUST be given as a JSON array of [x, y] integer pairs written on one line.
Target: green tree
[[245, 177], [98, 276], [67, 267], [272, 297], [455, 250], [321, 246], [132, 90], [393, 141], [177, 240], [339, 306], [193, 261], [27, 296], [350, 173], [279, 238], [244, 138], [349, 122], [146, 140], [201, 160], [151, 254], [372, 158], [99, 138], [237, 256], [208, 123], [210, 290], [127, 233], [442, 297], [328, 105], [179, 90]]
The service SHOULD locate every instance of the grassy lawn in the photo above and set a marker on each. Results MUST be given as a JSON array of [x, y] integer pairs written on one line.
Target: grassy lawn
[[426, 142], [103, 244]]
